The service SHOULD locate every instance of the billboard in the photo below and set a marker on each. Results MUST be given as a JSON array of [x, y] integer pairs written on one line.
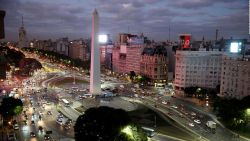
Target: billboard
[[185, 40], [103, 38], [235, 47]]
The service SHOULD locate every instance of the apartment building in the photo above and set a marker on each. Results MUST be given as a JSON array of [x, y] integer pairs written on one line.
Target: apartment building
[[154, 64], [197, 68], [235, 76]]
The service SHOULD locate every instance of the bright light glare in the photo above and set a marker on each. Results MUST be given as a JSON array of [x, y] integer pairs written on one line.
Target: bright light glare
[[127, 130], [234, 48], [103, 38], [248, 111]]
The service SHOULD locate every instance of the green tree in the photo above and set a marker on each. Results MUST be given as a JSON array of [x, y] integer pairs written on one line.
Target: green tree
[[10, 107], [102, 124]]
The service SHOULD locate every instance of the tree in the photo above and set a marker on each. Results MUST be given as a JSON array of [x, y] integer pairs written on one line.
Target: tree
[[101, 124], [189, 91], [10, 107], [132, 75]]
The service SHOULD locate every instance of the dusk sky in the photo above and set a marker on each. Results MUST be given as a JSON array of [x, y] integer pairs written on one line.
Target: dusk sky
[[44, 19]]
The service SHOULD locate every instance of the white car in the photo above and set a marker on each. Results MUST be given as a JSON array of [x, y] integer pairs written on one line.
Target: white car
[[40, 113], [174, 106], [193, 114], [59, 121], [16, 127], [197, 121], [164, 102], [191, 124]]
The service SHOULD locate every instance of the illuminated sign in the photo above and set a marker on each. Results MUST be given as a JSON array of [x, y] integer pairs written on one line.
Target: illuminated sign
[[235, 47], [185, 40], [103, 38]]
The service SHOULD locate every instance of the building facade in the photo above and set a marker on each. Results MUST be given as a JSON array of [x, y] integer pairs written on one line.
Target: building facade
[[48, 45], [235, 77], [118, 60], [154, 64], [62, 46], [106, 55], [197, 68], [78, 50]]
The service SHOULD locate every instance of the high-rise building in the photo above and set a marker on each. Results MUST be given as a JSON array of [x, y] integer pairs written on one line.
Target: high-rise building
[[62, 46], [235, 76], [197, 68], [106, 55], [78, 50], [22, 37], [43, 44], [154, 64], [118, 60], [126, 58]]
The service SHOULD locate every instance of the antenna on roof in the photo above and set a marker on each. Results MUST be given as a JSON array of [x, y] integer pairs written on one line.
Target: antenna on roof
[[128, 29]]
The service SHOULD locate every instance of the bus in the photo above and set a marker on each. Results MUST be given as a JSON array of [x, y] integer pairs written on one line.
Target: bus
[[66, 102], [148, 131]]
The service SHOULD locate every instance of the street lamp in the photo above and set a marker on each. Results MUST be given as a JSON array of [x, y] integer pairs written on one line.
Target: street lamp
[[248, 113]]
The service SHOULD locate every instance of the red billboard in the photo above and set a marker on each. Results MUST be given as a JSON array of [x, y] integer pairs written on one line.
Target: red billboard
[[185, 40]]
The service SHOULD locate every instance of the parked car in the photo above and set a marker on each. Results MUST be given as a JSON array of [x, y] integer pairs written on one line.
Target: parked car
[[47, 137]]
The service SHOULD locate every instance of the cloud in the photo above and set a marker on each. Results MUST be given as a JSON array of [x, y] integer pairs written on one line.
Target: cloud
[[59, 18]]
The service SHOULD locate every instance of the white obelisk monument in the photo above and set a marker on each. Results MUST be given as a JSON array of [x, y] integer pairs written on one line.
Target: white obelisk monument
[[95, 85]]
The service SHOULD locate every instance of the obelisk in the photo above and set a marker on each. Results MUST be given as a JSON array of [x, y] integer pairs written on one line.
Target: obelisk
[[95, 85]]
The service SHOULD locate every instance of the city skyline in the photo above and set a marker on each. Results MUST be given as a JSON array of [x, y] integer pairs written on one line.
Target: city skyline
[[55, 19]]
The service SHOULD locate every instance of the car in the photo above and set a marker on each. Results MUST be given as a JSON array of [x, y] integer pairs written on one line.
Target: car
[[164, 102], [181, 115], [191, 124], [40, 113], [48, 103], [49, 113], [193, 113], [69, 121], [11, 136], [60, 116], [32, 134], [16, 127], [47, 137], [32, 122], [67, 127], [40, 128], [25, 122], [197, 121], [59, 121], [174, 106]]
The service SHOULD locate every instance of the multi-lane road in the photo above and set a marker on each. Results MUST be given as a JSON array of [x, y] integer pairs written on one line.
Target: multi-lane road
[[182, 112]]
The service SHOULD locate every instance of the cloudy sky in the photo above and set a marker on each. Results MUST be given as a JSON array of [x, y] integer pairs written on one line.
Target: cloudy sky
[[44, 19]]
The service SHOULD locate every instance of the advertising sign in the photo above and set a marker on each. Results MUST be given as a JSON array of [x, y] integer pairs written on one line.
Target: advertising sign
[[185, 40]]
